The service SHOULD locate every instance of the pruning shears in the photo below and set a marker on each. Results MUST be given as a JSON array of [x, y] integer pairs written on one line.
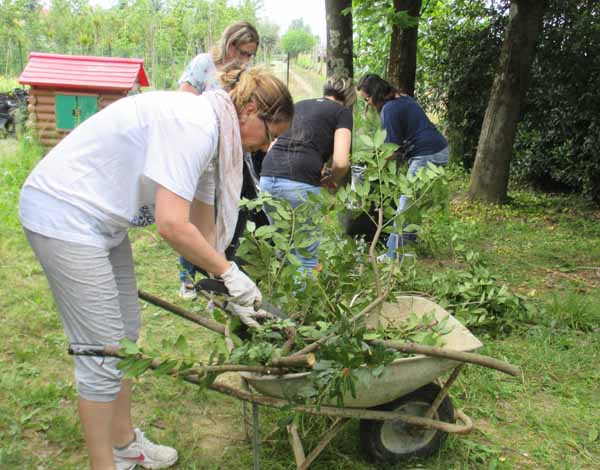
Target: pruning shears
[[218, 287]]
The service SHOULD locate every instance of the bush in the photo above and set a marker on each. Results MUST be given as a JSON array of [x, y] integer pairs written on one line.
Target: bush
[[555, 143]]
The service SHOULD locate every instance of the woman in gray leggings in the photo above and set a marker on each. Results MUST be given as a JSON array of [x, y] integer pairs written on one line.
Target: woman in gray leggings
[[144, 159]]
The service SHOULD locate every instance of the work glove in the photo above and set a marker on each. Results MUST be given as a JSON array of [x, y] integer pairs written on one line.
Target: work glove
[[247, 315], [242, 290]]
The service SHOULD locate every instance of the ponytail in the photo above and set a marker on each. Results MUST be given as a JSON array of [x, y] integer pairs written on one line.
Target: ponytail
[[244, 84]]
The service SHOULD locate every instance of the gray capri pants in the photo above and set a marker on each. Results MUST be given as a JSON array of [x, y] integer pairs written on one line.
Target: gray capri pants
[[96, 296]]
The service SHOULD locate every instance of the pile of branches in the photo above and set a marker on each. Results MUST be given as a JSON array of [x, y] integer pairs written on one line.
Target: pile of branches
[[335, 325]]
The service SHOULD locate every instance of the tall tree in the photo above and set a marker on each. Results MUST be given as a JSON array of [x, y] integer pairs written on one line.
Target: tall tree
[[339, 37], [489, 178], [402, 66]]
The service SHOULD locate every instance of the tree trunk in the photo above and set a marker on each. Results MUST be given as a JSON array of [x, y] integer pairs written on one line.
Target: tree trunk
[[402, 66], [339, 38], [489, 179]]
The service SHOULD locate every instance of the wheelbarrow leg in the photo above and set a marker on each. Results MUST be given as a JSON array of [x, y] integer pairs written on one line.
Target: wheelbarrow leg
[[444, 391], [302, 461], [296, 444], [255, 442], [245, 387]]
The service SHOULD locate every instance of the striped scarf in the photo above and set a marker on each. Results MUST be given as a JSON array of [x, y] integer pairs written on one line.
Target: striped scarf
[[229, 172]]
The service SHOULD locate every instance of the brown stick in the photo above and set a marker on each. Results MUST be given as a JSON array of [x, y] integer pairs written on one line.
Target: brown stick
[[304, 360], [360, 413], [44, 108], [296, 444], [47, 142], [444, 391], [317, 344], [372, 256], [46, 117], [115, 351], [333, 431], [210, 324], [289, 343], [36, 99], [460, 356]]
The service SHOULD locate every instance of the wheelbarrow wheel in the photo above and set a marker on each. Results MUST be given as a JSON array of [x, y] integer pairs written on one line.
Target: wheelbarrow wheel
[[394, 441]]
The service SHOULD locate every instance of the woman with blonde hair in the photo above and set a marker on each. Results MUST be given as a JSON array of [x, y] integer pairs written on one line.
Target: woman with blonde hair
[[314, 152], [159, 157], [237, 45]]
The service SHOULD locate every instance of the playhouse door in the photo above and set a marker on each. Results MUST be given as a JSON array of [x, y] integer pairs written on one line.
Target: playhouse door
[[72, 110]]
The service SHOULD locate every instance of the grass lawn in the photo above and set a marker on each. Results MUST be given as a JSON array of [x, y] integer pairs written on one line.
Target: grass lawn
[[546, 247]]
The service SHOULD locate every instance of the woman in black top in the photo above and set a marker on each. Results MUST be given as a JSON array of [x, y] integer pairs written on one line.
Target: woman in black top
[[321, 131]]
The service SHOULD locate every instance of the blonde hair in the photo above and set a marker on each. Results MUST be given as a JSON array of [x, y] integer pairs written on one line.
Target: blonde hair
[[246, 84], [341, 88], [236, 34]]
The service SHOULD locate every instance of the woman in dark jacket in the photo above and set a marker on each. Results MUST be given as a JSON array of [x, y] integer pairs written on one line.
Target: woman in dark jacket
[[408, 126]]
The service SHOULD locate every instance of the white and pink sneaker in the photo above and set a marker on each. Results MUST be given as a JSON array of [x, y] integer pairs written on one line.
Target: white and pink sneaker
[[144, 453]]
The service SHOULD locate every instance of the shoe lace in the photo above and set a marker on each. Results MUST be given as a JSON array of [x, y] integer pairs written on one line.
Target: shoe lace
[[147, 443]]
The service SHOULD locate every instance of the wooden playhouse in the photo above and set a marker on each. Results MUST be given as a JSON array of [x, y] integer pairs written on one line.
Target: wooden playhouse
[[66, 89]]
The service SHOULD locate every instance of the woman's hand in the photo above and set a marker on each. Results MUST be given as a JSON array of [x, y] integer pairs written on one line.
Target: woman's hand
[[327, 180], [242, 290], [247, 315]]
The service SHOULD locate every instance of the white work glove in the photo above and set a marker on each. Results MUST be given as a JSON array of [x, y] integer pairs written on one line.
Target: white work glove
[[242, 290], [247, 314]]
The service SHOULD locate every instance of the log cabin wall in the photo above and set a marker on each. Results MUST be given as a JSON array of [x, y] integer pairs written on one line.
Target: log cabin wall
[[42, 110]]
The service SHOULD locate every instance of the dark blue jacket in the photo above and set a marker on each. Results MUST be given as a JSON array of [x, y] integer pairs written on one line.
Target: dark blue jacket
[[407, 124]]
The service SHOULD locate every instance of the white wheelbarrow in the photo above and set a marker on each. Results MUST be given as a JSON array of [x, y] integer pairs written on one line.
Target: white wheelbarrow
[[404, 412], [385, 404]]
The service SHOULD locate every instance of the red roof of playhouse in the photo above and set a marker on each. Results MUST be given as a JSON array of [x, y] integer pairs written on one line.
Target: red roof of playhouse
[[83, 72]]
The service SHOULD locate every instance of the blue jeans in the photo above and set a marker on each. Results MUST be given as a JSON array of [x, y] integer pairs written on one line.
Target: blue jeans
[[295, 193], [188, 271], [398, 240]]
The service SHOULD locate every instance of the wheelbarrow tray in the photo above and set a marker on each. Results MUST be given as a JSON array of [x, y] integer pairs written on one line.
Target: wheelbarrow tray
[[399, 378]]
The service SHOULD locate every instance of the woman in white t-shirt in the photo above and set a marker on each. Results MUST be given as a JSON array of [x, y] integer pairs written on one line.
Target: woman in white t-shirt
[[238, 43], [159, 157]]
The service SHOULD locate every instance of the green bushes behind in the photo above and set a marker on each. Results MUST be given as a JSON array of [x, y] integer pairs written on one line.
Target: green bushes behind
[[557, 137]]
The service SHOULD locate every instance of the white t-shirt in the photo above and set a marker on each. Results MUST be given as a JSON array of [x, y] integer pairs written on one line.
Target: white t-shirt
[[102, 178]]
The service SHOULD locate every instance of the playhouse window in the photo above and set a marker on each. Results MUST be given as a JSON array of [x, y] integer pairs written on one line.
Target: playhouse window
[[72, 110]]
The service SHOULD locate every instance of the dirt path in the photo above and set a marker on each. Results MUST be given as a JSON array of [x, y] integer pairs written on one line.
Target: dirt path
[[301, 86]]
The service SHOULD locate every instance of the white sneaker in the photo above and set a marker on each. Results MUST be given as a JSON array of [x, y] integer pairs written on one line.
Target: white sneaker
[[187, 291], [144, 453], [384, 258]]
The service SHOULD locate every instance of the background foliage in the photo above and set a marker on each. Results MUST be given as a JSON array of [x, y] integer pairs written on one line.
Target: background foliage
[[166, 34], [458, 50], [559, 127]]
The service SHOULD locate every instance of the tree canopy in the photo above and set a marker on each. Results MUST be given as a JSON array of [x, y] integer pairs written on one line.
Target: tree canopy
[[298, 39]]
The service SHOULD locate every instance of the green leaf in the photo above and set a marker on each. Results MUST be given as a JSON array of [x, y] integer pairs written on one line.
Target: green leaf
[[129, 347], [366, 140], [166, 367], [181, 345], [371, 336], [265, 231], [380, 135], [250, 226]]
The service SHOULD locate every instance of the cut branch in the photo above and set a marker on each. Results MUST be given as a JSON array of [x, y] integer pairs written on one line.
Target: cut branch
[[460, 356], [210, 324], [296, 360]]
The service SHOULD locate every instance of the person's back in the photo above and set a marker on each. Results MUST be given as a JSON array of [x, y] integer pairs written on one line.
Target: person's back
[[407, 124], [300, 153]]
